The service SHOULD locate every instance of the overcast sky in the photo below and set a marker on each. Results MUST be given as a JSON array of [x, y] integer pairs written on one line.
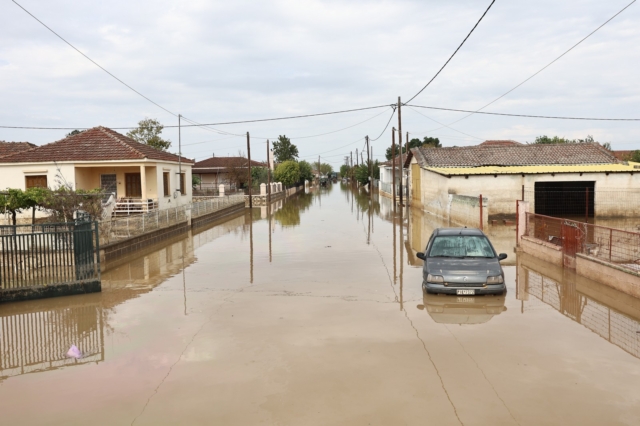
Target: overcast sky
[[217, 61]]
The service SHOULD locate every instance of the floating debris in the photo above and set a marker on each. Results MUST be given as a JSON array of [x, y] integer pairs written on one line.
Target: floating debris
[[74, 352]]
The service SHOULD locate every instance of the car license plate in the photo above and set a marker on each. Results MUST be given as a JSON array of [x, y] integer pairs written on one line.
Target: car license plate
[[465, 299], [463, 292]]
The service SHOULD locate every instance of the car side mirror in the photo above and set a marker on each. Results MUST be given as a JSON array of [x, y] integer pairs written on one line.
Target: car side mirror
[[422, 256], [502, 256]]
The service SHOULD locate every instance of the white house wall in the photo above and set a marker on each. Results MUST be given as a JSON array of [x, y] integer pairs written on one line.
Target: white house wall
[[503, 191]]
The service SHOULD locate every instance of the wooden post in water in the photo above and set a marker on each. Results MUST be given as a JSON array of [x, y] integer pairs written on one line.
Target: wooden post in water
[[268, 176]]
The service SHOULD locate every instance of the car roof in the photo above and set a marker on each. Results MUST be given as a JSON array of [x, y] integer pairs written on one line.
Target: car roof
[[458, 231]]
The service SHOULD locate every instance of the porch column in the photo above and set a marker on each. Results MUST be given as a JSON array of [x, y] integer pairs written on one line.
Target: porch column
[[143, 187]]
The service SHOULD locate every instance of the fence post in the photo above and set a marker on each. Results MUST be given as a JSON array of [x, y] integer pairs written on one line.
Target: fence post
[[481, 221]]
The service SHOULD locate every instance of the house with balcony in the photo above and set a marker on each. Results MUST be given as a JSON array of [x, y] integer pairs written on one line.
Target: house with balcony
[[139, 177]]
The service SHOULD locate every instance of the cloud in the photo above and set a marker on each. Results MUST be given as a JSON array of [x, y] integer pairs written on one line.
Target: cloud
[[226, 61]]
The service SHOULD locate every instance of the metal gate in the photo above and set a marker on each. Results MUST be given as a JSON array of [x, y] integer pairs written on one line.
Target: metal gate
[[572, 240], [83, 247]]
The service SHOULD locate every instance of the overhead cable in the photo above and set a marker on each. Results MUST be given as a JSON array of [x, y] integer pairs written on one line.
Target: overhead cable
[[454, 53], [385, 127], [526, 115], [547, 66]]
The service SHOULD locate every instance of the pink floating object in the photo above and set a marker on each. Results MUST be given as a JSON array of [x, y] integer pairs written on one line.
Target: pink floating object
[[74, 352]]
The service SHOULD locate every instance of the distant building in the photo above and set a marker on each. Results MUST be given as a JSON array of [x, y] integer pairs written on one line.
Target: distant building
[[386, 176], [9, 148], [140, 177], [227, 171], [556, 177]]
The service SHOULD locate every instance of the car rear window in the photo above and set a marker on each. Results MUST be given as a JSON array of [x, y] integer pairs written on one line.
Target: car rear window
[[461, 246]]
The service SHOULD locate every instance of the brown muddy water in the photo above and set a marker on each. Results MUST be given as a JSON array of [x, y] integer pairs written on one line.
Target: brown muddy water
[[317, 317]]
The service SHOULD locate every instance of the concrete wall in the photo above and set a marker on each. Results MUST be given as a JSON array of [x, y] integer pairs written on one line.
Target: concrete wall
[[464, 210], [609, 274], [542, 250]]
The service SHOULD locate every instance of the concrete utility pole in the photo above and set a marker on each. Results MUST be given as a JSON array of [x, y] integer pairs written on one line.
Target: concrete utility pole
[[366, 138], [268, 175], [393, 163], [249, 168], [351, 168], [407, 151], [179, 155], [400, 144]]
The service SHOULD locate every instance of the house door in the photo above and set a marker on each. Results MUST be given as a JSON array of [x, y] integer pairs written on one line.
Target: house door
[[133, 185], [109, 185]]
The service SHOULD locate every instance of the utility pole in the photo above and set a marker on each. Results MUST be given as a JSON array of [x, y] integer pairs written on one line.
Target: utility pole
[[393, 165], [361, 158], [250, 195], [351, 168], [400, 144], [371, 166], [356, 157], [268, 176], [318, 170], [179, 154], [407, 151], [368, 163]]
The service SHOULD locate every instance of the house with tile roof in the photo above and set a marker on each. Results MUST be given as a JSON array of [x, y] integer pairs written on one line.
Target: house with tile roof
[[553, 176], [8, 148], [227, 171], [140, 177]]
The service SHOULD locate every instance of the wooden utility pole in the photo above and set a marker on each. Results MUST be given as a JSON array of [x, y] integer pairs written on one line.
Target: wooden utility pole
[[393, 164], [268, 176], [249, 168], [356, 157], [318, 170], [400, 144], [371, 166]]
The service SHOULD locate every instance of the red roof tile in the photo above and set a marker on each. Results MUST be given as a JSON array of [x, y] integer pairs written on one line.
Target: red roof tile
[[514, 155], [500, 143], [9, 148], [96, 144]]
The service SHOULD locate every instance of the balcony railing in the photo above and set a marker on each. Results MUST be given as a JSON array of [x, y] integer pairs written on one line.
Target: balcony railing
[[128, 206]]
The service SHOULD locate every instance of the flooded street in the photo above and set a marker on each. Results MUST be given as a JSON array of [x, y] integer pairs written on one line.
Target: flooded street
[[315, 315]]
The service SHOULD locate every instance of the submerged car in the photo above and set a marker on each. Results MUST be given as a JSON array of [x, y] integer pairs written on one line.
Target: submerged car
[[462, 261]]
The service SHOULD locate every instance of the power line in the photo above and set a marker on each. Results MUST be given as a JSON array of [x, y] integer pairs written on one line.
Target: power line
[[385, 127], [449, 127], [454, 53], [547, 66], [92, 61], [526, 115]]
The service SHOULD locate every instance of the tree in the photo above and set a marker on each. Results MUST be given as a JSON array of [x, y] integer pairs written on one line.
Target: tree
[[288, 173], [73, 132], [306, 172], [344, 170], [284, 150], [635, 156], [414, 143], [258, 176], [14, 201], [546, 140], [148, 132], [607, 146], [362, 174], [64, 202], [325, 168], [35, 198], [195, 180]]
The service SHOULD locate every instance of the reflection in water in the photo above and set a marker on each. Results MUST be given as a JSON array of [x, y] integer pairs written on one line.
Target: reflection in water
[[38, 338], [289, 214], [36, 335], [447, 309], [612, 315]]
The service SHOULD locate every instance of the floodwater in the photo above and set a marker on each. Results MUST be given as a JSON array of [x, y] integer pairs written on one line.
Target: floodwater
[[314, 315]]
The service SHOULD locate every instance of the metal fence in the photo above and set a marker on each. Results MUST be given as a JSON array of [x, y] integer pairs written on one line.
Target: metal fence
[[117, 229], [611, 245], [46, 254], [588, 204]]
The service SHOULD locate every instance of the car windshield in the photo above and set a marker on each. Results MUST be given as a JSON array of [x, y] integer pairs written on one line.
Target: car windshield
[[461, 246]]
